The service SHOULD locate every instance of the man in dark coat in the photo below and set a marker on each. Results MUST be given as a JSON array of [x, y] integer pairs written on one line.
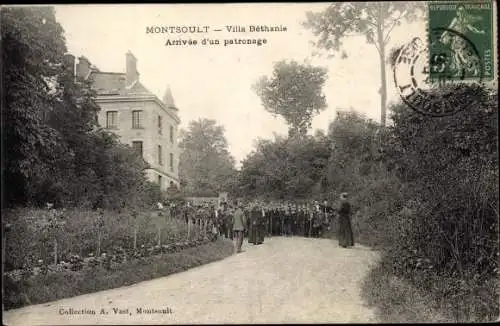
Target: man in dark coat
[[308, 220], [287, 219], [262, 222], [344, 231], [317, 221], [301, 216], [294, 224], [277, 219], [221, 223], [253, 223]]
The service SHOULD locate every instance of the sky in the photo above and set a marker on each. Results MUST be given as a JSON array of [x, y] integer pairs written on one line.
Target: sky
[[215, 81]]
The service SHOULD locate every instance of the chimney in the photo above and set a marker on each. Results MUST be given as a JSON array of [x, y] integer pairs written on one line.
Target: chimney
[[83, 67], [69, 64], [131, 68]]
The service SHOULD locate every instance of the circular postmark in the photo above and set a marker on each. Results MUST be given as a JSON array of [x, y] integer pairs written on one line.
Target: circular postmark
[[432, 80]]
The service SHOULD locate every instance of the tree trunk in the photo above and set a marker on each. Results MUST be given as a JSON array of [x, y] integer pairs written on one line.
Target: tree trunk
[[383, 77]]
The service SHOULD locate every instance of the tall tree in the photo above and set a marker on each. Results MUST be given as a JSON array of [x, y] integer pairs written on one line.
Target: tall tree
[[206, 166], [295, 92], [33, 46], [375, 20], [285, 168]]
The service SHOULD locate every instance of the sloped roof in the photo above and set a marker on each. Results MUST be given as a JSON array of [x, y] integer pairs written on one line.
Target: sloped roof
[[114, 83]]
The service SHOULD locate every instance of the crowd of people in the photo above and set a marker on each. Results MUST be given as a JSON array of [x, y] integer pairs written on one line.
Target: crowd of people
[[258, 219]]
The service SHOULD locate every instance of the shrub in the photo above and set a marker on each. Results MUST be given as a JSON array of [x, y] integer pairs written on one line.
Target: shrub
[[445, 240]]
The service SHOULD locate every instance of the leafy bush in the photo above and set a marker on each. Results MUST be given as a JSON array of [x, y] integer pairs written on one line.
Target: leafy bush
[[445, 239]]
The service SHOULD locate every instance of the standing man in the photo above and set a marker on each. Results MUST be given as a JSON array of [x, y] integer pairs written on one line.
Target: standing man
[[301, 220], [239, 222], [253, 220], [345, 236], [295, 220], [229, 220], [316, 220], [221, 217], [328, 216], [308, 218], [261, 224]]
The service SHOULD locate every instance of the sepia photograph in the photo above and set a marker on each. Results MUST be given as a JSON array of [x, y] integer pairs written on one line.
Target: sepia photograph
[[250, 163]]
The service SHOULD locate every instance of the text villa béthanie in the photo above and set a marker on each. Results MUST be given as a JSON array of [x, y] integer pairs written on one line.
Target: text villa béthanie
[[206, 29]]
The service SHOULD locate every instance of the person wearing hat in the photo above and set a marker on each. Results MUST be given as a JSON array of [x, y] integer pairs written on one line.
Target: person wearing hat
[[327, 212], [262, 222], [344, 231], [316, 222], [253, 221], [239, 223]]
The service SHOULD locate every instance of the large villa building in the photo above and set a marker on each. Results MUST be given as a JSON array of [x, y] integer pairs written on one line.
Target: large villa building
[[138, 117]]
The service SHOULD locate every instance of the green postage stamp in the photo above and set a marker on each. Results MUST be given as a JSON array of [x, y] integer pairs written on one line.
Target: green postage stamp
[[461, 40]]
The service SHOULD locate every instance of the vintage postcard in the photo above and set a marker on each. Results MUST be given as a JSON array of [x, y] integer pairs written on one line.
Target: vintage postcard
[[256, 163]]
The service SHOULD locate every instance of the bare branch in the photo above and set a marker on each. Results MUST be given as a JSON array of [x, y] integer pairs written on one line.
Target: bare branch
[[394, 23], [386, 38]]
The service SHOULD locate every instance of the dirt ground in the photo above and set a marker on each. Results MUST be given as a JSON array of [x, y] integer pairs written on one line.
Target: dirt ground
[[284, 280]]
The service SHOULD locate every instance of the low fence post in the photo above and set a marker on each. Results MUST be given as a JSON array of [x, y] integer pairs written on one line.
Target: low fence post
[[56, 221], [100, 224], [134, 215]]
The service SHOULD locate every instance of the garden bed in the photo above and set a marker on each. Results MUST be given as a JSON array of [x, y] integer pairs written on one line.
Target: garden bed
[[65, 280]]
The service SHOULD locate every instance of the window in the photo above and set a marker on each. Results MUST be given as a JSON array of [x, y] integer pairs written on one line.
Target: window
[[160, 180], [171, 162], [160, 155], [160, 125], [137, 146], [112, 119], [137, 120], [172, 134]]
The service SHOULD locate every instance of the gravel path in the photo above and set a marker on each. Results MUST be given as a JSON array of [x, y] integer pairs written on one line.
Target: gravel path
[[284, 280]]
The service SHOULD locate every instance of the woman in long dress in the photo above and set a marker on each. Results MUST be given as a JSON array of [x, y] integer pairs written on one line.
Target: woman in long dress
[[344, 231]]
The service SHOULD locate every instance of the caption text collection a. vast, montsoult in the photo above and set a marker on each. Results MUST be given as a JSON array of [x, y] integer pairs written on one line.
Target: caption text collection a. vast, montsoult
[[114, 311]]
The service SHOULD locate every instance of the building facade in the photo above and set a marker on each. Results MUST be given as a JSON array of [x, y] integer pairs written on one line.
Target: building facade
[[138, 117]]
